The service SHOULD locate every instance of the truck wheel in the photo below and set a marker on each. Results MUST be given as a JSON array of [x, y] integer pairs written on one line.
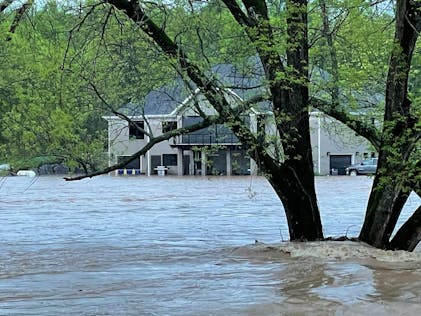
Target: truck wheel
[[353, 173]]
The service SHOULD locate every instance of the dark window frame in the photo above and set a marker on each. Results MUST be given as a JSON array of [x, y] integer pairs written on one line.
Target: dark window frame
[[168, 126], [170, 159], [134, 131], [134, 164]]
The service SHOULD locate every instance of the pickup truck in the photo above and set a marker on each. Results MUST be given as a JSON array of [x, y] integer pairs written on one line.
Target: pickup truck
[[368, 166]]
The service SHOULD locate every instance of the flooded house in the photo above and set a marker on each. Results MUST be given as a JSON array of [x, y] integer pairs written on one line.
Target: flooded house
[[215, 150]]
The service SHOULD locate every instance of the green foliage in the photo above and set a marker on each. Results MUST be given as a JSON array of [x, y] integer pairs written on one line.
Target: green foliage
[[45, 113], [362, 38], [34, 162], [62, 57]]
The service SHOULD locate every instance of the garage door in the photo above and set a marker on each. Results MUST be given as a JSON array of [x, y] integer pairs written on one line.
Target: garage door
[[338, 164]]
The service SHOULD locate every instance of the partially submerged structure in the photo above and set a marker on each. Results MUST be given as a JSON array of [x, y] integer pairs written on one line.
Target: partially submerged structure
[[215, 150]]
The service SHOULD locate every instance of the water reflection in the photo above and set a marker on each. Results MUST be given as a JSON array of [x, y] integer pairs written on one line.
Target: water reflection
[[170, 246]]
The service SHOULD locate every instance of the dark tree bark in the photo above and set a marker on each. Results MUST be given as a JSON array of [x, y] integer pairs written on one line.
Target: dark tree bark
[[409, 235], [5, 4], [390, 190], [395, 143], [293, 179], [299, 199]]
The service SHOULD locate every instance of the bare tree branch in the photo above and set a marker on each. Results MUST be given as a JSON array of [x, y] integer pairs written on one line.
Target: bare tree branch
[[119, 114], [77, 28], [112, 110], [5, 4], [18, 17], [258, 14], [369, 132], [238, 14], [327, 33]]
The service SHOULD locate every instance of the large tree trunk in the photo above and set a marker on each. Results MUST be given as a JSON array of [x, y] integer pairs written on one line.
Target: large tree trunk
[[292, 178], [389, 192], [384, 207], [295, 184]]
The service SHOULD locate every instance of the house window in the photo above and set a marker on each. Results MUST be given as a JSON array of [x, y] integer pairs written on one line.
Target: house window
[[169, 159], [134, 131], [169, 126]]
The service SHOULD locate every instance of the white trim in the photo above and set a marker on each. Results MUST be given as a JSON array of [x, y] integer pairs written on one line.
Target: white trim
[[186, 100], [203, 162], [319, 150], [109, 143], [177, 109], [175, 112], [141, 163], [228, 161], [139, 117], [148, 155]]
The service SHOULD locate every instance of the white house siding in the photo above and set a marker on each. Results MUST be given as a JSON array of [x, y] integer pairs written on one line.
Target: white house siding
[[329, 138], [122, 145]]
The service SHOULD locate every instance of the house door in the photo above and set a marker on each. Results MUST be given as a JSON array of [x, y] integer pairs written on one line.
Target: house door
[[186, 165], [155, 162], [338, 164]]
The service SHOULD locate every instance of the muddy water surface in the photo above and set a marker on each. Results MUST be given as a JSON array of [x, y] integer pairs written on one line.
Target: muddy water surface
[[187, 246]]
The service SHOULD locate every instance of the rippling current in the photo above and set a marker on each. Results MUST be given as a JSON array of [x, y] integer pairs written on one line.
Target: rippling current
[[191, 246]]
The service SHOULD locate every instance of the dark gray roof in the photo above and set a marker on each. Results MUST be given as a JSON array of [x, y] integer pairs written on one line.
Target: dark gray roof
[[165, 99], [131, 109], [244, 81], [158, 101]]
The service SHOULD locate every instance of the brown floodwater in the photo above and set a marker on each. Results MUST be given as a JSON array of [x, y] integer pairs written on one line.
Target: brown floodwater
[[191, 246]]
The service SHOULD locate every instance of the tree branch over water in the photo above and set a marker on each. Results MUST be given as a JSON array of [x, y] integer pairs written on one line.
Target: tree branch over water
[[152, 142], [368, 131], [287, 79]]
